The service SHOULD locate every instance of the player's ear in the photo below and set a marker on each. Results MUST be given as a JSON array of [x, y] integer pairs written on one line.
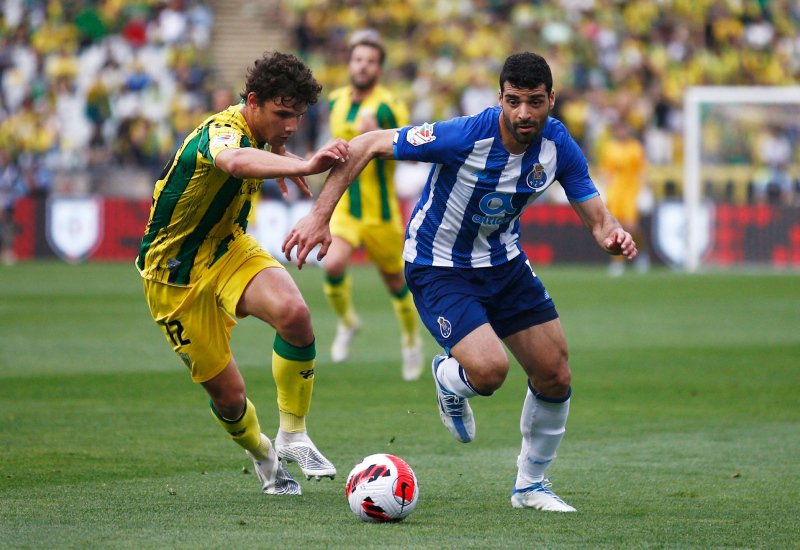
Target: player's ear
[[252, 100], [500, 97], [552, 98]]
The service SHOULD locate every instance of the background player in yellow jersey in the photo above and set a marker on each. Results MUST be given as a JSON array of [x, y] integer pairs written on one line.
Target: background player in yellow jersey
[[623, 162], [369, 213], [201, 269]]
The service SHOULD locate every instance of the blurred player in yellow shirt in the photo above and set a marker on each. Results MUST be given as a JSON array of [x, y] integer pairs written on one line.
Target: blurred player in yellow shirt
[[623, 162], [369, 215]]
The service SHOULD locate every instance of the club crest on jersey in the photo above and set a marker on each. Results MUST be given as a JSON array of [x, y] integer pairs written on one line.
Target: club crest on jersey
[[537, 177], [445, 327], [420, 134]]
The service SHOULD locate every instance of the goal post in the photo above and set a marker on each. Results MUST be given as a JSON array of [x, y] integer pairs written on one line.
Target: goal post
[[694, 97]]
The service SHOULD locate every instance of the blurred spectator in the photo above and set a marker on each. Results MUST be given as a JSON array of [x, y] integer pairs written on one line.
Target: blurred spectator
[[12, 186], [479, 93], [622, 163], [773, 182]]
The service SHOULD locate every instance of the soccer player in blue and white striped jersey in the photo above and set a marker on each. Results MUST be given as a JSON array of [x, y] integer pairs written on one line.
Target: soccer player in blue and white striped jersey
[[472, 284]]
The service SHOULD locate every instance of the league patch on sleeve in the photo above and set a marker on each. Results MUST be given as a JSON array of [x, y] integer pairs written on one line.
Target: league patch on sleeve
[[419, 135], [224, 140]]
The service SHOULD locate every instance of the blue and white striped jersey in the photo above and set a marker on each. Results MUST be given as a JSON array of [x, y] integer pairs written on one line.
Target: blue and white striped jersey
[[468, 214]]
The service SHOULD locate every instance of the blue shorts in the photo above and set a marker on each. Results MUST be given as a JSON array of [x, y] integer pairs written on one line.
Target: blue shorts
[[454, 301]]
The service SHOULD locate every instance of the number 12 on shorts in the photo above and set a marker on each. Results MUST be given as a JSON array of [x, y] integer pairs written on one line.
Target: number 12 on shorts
[[174, 330]]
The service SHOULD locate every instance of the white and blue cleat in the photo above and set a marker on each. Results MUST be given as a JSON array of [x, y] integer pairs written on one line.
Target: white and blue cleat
[[274, 477], [454, 410], [539, 497], [299, 448]]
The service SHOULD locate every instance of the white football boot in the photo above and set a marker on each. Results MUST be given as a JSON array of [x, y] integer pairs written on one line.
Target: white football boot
[[454, 410], [275, 479], [298, 447], [539, 497], [341, 343], [412, 360]]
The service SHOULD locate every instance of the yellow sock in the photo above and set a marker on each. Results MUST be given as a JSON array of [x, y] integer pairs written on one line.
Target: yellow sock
[[293, 370], [245, 431], [339, 293], [406, 313], [292, 423]]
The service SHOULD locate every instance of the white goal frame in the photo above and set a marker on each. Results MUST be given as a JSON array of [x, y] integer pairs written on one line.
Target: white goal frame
[[692, 133]]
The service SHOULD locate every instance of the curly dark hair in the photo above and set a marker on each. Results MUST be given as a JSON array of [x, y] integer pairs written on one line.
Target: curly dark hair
[[526, 70], [283, 78]]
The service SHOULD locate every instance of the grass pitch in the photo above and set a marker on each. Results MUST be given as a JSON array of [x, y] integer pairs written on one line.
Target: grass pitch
[[684, 429]]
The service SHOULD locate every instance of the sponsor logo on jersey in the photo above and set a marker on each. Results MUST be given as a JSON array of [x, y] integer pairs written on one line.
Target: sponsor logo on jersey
[[445, 327], [419, 135], [223, 140], [495, 205], [537, 178]]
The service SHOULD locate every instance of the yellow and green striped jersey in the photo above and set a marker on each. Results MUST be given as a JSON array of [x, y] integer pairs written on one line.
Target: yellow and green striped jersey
[[197, 208], [370, 197]]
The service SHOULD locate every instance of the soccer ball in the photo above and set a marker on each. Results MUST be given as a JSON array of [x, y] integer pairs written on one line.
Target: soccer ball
[[382, 488]]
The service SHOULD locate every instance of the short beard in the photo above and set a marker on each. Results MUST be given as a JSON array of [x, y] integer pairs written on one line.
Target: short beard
[[527, 139], [361, 87]]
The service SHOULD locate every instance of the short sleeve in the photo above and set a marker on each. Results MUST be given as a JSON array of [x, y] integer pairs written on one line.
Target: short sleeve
[[436, 142], [216, 137], [573, 172]]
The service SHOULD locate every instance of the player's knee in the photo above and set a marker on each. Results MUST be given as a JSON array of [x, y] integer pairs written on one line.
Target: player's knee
[[490, 378], [230, 405], [335, 268], [293, 323], [555, 383]]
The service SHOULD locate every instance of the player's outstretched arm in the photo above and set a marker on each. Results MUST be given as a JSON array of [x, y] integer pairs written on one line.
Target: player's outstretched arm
[[605, 228], [248, 162], [314, 229]]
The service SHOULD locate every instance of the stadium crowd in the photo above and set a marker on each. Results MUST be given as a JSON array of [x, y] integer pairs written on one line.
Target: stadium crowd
[[98, 84], [613, 59]]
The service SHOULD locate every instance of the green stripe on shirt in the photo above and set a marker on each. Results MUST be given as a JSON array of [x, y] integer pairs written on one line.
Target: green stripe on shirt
[[170, 194], [216, 210]]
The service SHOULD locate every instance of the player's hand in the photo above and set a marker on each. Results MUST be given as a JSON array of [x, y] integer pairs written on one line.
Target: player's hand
[[307, 233], [325, 158], [299, 181], [620, 242]]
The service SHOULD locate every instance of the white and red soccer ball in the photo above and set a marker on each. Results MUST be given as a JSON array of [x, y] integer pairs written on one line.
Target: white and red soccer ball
[[382, 488]]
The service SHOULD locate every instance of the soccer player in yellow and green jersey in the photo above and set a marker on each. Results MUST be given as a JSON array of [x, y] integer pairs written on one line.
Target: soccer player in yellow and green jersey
[[369, 215], [201, 269]]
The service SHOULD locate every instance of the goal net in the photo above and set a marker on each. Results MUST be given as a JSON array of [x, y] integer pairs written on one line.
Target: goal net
[[741, 180]]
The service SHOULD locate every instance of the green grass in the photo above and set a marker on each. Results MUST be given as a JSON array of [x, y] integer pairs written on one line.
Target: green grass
[[684, 429]]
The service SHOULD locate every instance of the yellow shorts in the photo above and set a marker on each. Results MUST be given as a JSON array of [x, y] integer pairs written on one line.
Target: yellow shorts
[[197, 320], [383, 242]]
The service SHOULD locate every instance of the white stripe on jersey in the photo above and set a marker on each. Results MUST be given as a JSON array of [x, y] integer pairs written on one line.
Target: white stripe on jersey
[[481, 250], [548, 157], [410, 247], [457, 203]]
